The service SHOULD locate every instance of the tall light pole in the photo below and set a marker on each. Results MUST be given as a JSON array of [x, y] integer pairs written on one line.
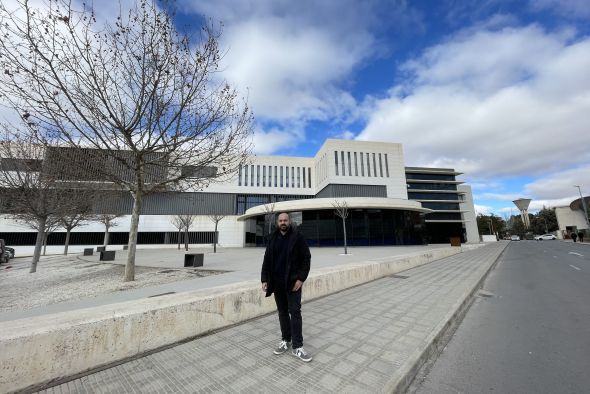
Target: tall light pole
[[583, 206]]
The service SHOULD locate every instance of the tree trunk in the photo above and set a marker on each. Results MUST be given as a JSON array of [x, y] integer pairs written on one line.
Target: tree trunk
[[344, 228], [130, 265], [38, 244], [186, 239], [68, 231], [179, 239], [45, 243], [215, 240], [105, 241]]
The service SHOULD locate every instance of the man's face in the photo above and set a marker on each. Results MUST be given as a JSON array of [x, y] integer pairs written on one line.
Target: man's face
[[283, 222]]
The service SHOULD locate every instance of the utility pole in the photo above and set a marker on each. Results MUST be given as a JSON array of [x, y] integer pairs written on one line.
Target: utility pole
[[583, 206]]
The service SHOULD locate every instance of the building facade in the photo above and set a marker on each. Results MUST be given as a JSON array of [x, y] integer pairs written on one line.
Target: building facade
[[571, 218], [388, 203]]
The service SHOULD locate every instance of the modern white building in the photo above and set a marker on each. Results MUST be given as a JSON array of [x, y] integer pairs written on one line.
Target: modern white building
[[570, 218], [388, 203]]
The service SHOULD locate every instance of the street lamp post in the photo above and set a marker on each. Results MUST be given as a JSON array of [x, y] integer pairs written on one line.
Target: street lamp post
[[583, 206]]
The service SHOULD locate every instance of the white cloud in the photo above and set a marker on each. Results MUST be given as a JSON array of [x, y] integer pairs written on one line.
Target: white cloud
[[292, 56], [570, 8], [482, 209], [501, 196], [561, 184], [493, 103], [268, 141]]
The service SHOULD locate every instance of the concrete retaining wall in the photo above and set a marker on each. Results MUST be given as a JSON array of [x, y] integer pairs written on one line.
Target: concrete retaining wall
[[37, 351]]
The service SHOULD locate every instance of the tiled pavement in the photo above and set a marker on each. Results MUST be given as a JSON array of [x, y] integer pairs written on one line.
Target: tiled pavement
[[360, 338]]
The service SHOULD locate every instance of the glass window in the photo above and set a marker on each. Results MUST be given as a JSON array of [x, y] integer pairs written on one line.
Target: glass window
[[281, 176], [349, 165], [431, 177], [362, 164], [245, 175], [441, 205], [380, 166], [252, 175], [240, 176], [432, 186], [298, 176], [304, 183], [257, 175], [368, 165], [374, 166], [336, 161], [275, 173], [356, 169], [309, 176], [433, 196], [263, 175], [343, 165], [292, 176], [286, 176], [386, 166]]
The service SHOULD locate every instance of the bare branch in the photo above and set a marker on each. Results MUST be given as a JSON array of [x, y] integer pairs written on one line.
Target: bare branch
[[132, 103]]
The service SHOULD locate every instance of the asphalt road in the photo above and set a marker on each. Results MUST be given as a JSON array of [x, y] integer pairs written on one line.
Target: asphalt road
[[530, 335]]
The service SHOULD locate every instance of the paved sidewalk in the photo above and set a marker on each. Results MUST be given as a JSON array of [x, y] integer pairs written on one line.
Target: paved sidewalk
[[364, 340]]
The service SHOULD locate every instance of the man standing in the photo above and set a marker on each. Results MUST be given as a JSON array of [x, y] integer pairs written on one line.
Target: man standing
[[580, 236], [574, 235], [284, 269]]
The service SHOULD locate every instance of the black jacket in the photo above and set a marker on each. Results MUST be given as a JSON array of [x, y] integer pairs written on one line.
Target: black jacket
[[298, 261]]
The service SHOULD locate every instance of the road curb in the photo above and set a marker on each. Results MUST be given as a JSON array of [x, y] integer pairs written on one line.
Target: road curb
[[435, 342]]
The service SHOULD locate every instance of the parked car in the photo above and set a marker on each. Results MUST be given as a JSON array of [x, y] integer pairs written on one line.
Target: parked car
[[6, 253], [545, 237], [514, 238]]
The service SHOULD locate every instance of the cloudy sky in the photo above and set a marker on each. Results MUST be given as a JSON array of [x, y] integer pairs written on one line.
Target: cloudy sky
[[497, 89]]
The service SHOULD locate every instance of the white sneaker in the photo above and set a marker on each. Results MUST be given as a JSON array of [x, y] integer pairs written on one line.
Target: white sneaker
[[301, 354], [282, 348]]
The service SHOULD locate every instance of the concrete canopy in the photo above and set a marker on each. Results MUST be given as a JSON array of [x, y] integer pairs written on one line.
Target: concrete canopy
[[327, 203]]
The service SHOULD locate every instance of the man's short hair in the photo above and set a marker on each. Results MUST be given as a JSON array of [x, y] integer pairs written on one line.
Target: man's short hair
[[280, 213]]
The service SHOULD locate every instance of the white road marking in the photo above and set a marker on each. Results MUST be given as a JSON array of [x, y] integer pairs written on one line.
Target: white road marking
[[574, 267], [577, 254]]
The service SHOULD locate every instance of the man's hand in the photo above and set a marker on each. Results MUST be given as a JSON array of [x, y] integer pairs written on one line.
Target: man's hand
[[297, 286], [264, 286]]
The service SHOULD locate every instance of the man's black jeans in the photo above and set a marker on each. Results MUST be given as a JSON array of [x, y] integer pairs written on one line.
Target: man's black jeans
[[289, 307]]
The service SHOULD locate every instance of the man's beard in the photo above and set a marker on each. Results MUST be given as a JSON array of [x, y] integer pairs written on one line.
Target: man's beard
[[283, 227]]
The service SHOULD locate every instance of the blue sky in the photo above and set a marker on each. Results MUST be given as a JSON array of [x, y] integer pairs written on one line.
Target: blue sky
[[497, 89]]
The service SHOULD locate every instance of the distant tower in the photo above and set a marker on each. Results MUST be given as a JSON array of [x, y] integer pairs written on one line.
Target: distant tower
[[523, 204]]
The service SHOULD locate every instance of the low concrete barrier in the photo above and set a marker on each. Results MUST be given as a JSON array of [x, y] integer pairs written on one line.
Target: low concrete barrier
[[34, 352]]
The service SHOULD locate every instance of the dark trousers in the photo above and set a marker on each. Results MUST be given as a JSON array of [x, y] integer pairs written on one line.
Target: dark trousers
[[289, 307]]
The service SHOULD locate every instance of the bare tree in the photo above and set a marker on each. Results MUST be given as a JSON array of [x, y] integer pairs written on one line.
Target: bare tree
[[269, 215], [109, 221], [142, 105], [187, 222], [51, 225], [216, 218], [177, 222], [341, 210], [70, 222], [29, 193]]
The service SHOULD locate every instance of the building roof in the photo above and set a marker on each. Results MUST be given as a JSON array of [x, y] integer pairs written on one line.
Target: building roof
[[577, 204], [327, 203]]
